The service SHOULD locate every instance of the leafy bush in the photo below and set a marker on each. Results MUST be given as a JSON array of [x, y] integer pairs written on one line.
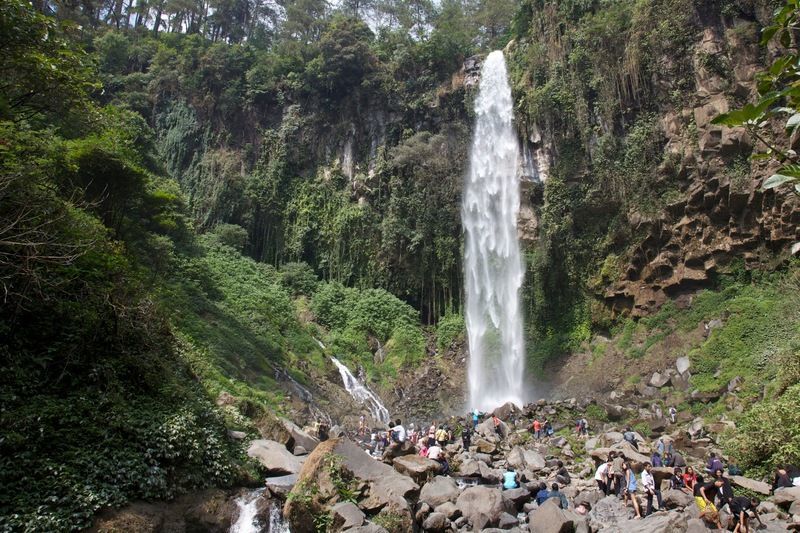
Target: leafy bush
[[231, 235], [450, 327], [299, 278], [768, 434]]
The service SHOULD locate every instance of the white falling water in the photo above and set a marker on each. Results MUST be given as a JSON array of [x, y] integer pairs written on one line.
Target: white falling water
[[492, 262], [248, 520], [362, 394]]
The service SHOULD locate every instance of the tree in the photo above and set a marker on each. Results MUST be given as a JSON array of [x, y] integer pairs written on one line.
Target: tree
[[779, 97]]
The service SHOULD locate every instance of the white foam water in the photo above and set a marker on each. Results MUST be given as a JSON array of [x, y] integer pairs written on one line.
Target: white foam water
[[248, 520], [362, 394], [493, 264]]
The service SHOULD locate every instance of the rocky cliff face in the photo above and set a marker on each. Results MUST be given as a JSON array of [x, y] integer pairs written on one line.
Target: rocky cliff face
[[721, 215]]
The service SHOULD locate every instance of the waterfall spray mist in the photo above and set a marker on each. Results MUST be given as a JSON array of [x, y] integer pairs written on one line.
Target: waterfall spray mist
[[492, 263]]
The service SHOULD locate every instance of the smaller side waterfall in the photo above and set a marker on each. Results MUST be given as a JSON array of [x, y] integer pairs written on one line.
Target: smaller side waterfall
[[361, 393], [249, 521]]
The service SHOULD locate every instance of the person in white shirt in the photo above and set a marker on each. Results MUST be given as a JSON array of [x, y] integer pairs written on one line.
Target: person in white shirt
[[436, 453], [601, 476], [650, 489], [399, 432]]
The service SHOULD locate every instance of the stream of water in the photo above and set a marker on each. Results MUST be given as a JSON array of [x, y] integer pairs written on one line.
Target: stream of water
[[362, 394], [249, 521], [492, 261]]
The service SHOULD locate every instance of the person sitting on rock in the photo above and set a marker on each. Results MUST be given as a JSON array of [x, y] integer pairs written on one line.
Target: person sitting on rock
[[436, 453], [543, 494], [782, 479], [601, 477], [398, 432], [713, 464], [676, 481], [630, 437], [689, 478], [423, 449], [510, 479], [650, 489], [629, 491], [655, 460], [562, 474], [555, 493], [740, 507]]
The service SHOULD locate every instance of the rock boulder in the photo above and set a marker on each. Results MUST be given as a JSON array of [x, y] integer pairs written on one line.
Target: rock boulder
[[482, 505]]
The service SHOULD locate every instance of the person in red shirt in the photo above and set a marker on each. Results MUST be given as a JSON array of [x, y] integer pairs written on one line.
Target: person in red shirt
[[537, 428], [690, 478]]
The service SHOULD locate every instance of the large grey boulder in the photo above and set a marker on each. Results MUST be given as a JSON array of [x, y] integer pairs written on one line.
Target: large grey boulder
[[659, 379], [674, 499], [550, 518], [470, 468], [299, 437], [281, 485], [787, 496], [417, 468], [438, 491], [518, 497], [522, 458], [490, 475], [751, 484], [482, 506], [274, 457], [435, 522], [347, 515], [449, 509], [683, 364]]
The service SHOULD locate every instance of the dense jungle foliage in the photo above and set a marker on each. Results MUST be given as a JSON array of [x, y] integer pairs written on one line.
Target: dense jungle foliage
[[183, 184]]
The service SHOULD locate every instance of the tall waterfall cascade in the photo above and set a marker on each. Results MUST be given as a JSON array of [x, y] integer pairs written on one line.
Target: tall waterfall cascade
[[362, 394], [493, 266]]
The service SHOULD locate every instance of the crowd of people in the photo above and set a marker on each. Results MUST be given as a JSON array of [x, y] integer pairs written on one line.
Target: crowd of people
[[711, 489]]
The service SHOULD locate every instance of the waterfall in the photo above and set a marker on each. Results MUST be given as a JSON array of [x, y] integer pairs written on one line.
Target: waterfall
[[248, 520], [493, 266], [362, 394]]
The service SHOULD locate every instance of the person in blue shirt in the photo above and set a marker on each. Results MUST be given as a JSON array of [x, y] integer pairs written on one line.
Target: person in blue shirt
[[543, 494], [476, 415], [510, 479]]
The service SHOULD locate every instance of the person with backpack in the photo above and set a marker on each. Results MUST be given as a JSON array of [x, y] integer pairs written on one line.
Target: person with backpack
[[466, 438], [441, 436]]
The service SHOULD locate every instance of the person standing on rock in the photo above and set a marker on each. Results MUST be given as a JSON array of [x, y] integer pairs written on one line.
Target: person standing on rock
[[537, 429], [601, 477], [441, 437], [629, 492], [650, 489], [497, 425], [476, 416], [619, 475], [398, 432], [432, 434], [673, 413], [466, 438], [548, 428]]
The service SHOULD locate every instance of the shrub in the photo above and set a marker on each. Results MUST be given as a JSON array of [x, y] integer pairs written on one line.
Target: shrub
[[299, 278], [231, 235], [450, 328]]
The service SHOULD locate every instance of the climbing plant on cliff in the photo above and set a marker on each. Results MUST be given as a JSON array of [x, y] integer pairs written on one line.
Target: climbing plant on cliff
[[778, 101]]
